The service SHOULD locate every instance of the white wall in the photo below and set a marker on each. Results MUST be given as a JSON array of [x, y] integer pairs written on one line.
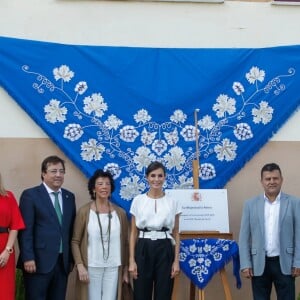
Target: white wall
[[153, 24]]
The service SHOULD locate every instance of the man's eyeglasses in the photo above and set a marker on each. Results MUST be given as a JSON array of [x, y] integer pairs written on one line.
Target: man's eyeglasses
[[54, 171]]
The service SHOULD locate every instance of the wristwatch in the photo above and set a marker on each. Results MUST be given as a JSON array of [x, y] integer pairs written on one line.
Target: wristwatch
[[10, 250]]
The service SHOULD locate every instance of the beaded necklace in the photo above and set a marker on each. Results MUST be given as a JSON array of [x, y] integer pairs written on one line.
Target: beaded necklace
[[105, 254]]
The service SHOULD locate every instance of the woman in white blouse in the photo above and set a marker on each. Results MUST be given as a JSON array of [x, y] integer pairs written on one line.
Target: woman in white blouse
[[154, 239], [100, 243]]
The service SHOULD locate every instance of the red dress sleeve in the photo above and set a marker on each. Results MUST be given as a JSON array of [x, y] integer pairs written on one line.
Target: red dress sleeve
[[16, 220]]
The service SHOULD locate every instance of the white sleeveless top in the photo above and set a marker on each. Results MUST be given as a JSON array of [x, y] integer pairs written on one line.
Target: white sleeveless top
[[95, 250]]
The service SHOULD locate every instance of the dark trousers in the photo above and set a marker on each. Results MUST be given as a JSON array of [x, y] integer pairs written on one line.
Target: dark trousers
[[284, 284], [49, 286], [154, 264]]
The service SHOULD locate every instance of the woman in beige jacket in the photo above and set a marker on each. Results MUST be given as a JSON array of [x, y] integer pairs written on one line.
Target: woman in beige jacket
[[100, 243]]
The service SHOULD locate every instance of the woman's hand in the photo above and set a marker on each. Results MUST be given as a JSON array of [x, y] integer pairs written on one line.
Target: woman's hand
[[295, 272], [132, 243], [83, 273], [4, 256], [133, 270], [175, 269], [125, 275]]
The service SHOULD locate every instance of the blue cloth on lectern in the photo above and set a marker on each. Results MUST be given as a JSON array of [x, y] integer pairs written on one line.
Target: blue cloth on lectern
[[119, 108], [200, 259]]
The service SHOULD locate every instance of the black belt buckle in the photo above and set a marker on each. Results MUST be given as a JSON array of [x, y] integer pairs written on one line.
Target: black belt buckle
[[163, 229], [272, 258], [3, 229]]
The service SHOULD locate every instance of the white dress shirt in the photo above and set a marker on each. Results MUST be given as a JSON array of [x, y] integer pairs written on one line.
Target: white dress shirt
[[272, 226], [52, 197]]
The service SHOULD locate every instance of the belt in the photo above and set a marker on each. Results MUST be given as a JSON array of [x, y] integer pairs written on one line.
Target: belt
[[146, 233], [163, 229], [153, 235], [272, 258], [4, 230]]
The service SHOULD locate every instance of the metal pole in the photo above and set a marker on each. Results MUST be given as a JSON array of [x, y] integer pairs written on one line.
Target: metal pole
[[196, 161]]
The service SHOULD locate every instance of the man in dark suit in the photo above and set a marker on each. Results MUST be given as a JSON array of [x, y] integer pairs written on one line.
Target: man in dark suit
[[269, 241], [49, 212]]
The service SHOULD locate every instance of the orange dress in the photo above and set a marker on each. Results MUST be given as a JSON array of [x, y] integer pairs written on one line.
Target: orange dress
[[10, 217]]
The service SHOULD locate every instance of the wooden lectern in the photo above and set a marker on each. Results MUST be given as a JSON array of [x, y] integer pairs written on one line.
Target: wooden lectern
[[222, 272]]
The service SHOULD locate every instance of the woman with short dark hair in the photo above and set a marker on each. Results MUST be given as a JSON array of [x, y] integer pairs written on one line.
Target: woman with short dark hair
[[100, 243]]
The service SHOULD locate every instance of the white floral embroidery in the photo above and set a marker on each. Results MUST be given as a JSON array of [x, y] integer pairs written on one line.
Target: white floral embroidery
[[159, 146], [64, 73], [238, 88], [207, 262], [178, 116], [55, 113], [73, 132], [204, 261], [128, 133], [193, 248], [131, 187], [225, 247], [148, 137], [172, 137], [113, 122], [91, 150], [242, 131], [188, 133], [95, 104], [114, 170], [206, 123], [192, 262], [184, 182], [175, 159], [263, 114], [142, 116], [143, 158], [255, 74], [207, 248], [226, 150], [207, 171], [217, 256], [81, 87], [102, 135], [224, 105]]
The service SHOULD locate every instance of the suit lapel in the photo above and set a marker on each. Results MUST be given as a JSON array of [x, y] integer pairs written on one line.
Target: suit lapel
[[65, 202], [261, 214], [284, 201]]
